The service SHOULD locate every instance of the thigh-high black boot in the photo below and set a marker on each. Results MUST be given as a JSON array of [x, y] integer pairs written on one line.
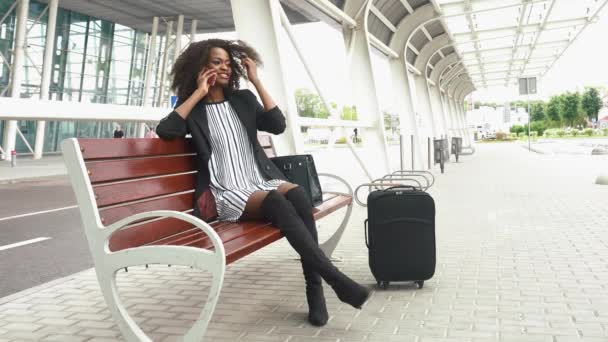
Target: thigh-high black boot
[[317, 309], [281, 213]]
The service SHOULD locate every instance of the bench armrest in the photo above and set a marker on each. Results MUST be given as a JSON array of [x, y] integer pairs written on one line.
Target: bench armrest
[[331, 243], [340, 179], [107, 263], [195, 221]]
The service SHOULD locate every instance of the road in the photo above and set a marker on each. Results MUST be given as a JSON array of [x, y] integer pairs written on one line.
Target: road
[[41, 236]]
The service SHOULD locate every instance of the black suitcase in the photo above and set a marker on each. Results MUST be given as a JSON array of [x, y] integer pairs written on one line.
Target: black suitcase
[[400, 235]]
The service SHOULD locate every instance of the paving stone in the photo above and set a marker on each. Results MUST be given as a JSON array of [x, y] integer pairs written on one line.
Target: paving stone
[[517, 261]]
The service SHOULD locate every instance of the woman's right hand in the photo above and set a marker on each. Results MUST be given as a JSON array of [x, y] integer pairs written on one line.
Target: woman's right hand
[[202, 82]]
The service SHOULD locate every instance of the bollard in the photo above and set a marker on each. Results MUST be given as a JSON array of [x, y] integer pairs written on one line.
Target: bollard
[[13, 158], [429, 150], [412, 142]]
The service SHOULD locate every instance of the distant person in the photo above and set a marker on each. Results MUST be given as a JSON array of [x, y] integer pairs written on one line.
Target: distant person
[[150, 133], [118, 133], [223, 121], [356, 132]]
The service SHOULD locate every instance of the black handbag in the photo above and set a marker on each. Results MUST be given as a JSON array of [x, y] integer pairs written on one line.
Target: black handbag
[[300, 169]]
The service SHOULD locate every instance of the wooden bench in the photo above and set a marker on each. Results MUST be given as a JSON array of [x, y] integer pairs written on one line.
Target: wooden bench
[[135, 196]]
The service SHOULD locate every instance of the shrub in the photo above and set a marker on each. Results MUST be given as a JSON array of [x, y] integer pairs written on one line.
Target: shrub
[[516, 129], [588, 131], [538, 126], [605, 130], [575, 132], [501, 135], [341, 140], [534, 134], [560, 133], [521, 134]]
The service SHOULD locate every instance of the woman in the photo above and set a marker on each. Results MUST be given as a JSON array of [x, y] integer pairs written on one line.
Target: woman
[[245, 184]]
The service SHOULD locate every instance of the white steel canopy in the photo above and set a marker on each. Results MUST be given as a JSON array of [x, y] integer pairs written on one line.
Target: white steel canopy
[[502, 40]]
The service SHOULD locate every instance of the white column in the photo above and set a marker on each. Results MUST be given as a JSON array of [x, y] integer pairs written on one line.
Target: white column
[[407, 116], [163, 72], [258, 23], [365, 96], [401, 86], [151, 61], [47, 70], [193, 30], [422, 86], [437, 100], [10, 128], [178, 36], [454, 89]]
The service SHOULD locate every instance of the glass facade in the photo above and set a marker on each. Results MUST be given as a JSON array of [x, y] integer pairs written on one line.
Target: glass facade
[[94, 61]]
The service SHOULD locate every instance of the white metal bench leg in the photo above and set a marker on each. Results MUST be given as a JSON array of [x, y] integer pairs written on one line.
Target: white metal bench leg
[[175, 255]]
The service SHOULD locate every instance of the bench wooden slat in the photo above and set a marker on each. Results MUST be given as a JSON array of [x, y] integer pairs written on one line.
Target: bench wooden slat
[[236, 247], [266, 143], [109, 194], [181, 202], [114, 170], [226, 233], [331, 205], [247, 244], [128, 148], [145, 233]]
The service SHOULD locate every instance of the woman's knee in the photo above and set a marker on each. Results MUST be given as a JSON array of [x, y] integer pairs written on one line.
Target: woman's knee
[[299, 198], [286, 187]]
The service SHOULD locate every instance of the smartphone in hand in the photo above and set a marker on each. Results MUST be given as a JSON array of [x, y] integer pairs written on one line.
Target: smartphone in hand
[[211, 79]]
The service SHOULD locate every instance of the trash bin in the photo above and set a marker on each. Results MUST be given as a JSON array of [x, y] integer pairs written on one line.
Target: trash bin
[[456, 146], [439, 155]]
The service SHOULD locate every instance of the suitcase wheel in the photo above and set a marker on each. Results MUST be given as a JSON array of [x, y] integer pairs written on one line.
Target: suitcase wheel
[[383, 284], [419, 283]]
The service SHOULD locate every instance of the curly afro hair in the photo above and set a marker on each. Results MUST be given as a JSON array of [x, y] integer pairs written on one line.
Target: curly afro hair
[[196, 56]]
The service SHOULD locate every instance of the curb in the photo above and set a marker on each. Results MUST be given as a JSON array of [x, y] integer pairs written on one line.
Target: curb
[[533, 149], [29, 179], [38, 288]]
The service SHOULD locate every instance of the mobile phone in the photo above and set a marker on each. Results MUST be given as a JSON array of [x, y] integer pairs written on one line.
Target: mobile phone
[[211, 79]]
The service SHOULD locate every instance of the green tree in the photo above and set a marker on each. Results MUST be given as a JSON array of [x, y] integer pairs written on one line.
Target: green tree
[[310, 105], [516, 129], [519, 104], [591, 103], [570, 107], [349, 113], [538, 111], [553, 109], [538, 126]]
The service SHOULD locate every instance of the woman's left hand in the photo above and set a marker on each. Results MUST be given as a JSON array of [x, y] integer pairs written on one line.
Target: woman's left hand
[[252, 69]]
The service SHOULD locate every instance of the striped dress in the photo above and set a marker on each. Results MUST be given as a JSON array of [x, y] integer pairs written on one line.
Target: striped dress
[[234, 172]]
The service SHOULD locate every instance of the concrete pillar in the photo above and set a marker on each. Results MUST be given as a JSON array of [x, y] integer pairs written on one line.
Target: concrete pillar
[[258, 23], [453, 89], [151, 61], [47, 70], [163, 71], [178, 36], [437, 100], [422, 86], [193, 30], [10, 128], [365, 93], [401, 86]]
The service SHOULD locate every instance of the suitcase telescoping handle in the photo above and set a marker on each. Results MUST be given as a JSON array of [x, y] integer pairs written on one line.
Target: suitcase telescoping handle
[[383, 185], [365, 226], [405, 187]]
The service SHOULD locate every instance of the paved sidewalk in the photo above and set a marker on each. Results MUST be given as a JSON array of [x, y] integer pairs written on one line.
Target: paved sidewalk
[[522, 256], [28, 168]]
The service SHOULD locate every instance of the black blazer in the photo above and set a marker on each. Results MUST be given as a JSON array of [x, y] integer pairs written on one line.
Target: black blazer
[[252, 115]]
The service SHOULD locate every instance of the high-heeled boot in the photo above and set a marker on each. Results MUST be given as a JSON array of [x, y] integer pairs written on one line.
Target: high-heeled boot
[[281, 213], [317, 309]]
